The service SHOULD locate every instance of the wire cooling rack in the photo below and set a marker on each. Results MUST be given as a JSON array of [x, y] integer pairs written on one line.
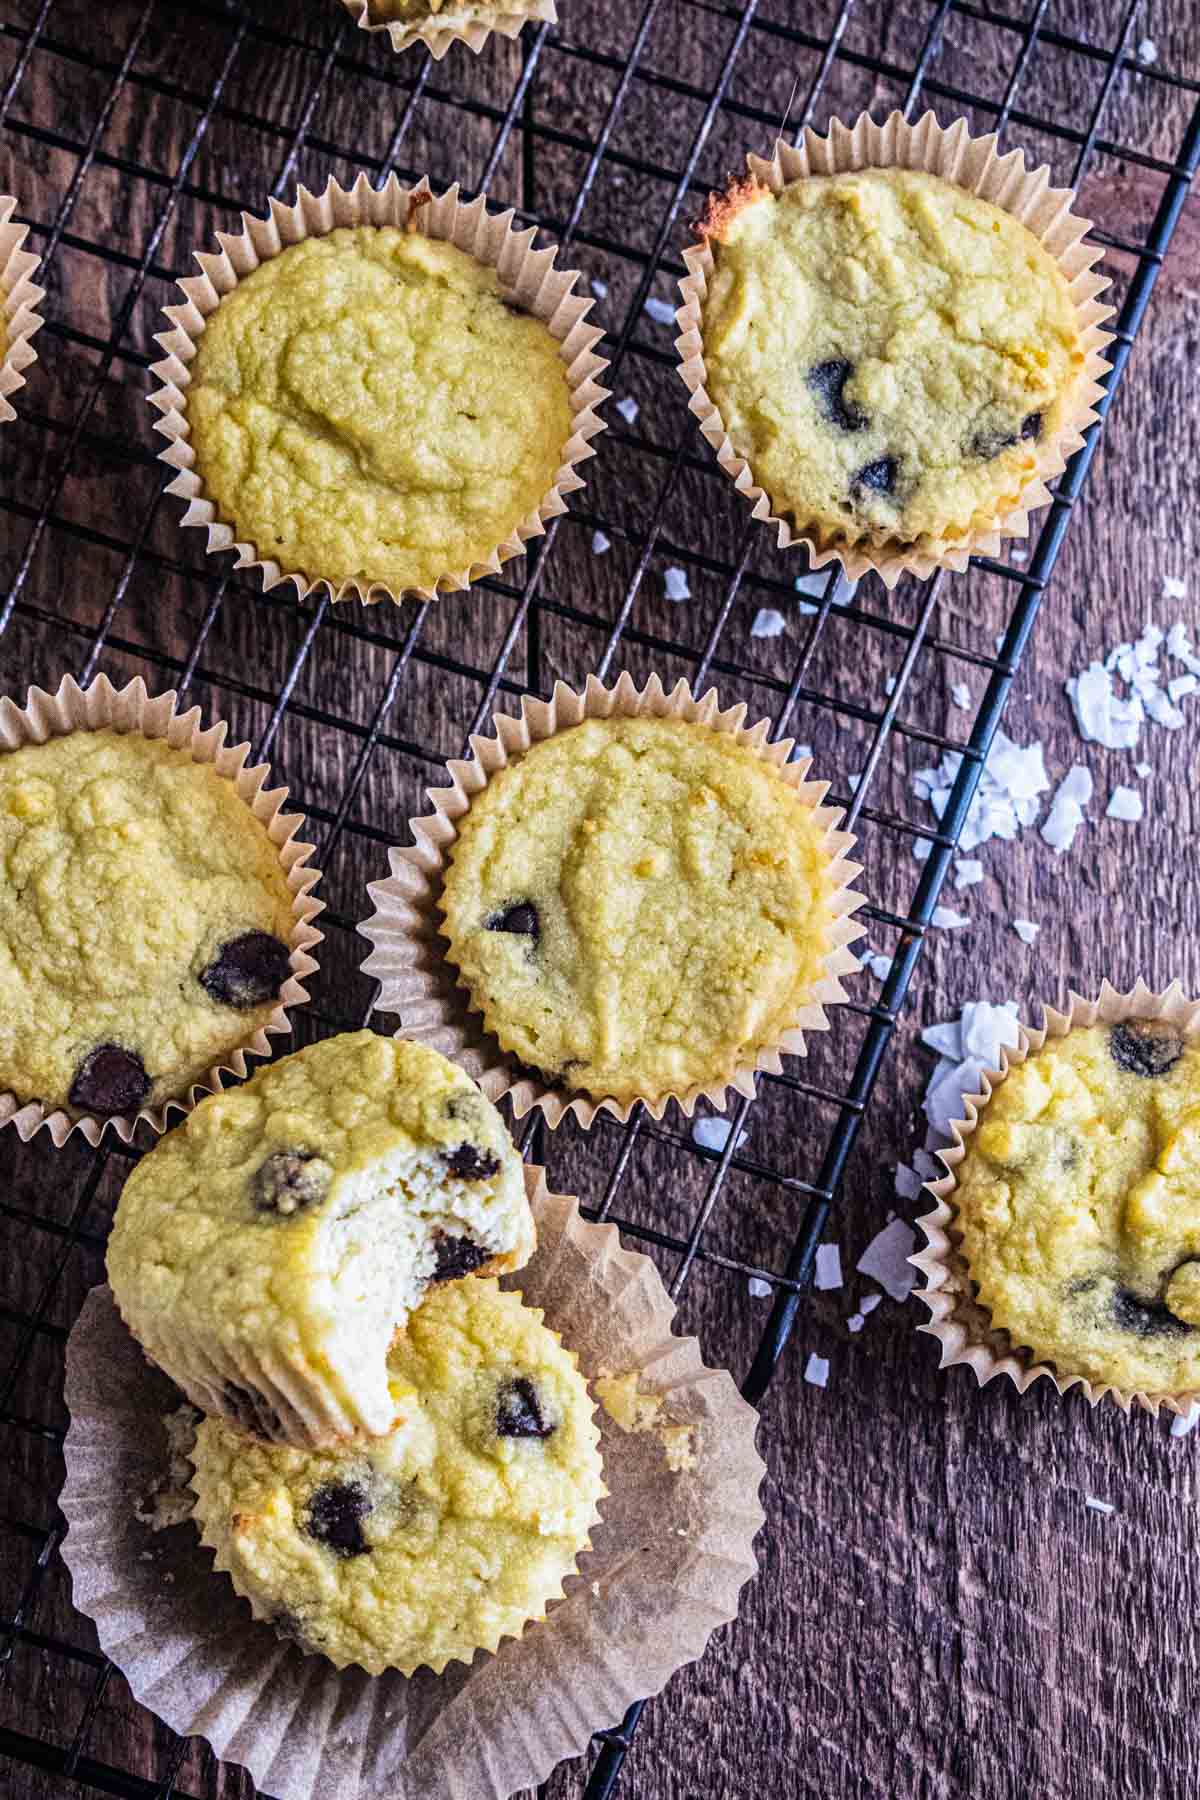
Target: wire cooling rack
[[131, 132]]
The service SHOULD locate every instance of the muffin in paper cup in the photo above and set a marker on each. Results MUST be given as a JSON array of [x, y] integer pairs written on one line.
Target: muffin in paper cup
[[131, 709], [419, 982], [471, 25], [531, 281], [669, 1556], [962, 1326], [970, 163], [19, 300]]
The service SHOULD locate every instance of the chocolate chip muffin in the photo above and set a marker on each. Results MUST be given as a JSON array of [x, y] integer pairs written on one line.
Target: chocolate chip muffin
[[372, 407], [145, 920], [890, 353], [1078, 1204], [638, 906], [443, 1537], [265, 1252]]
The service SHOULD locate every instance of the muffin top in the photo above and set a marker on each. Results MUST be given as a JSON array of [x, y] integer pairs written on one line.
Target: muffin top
[[887, 351], [637, 905], [144, 922], [285, 1229], [1079, 1206], [370, 406], [439, 1539]]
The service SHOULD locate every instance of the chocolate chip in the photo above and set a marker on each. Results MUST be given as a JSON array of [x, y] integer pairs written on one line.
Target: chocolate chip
[[289, 1181], [1145, 1047], [247, 971], [456, 1257], [521, 917], [987, 444], [110, 1080], [335, 1515], [470, 1163], [876, 477], [252, 1411], [518, 1414], [1031, 426], [1145, 1318], [827, 381]]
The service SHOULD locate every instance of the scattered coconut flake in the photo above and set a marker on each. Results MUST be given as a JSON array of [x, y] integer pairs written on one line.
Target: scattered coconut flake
[[713, 1134], [801, 753], [1174, 589], [814, 584], [855, 1322], [1182, 685], [661, 311], [889, 686], [880, 967], [908, 1182], [946, 919], [926, 1166], [960, 694], [1101, 716], [1026, 930], [965, 1048], [829, 1267], [816, 1369], [967, 872], [600, 543], [675, 584], [628, 409], [885, 1259], [1074, 792], [1100, 1506], [760, 1289], [1147, 51], [1018, 554], [869, 1302], [1183, 1423], [1125, 803], [986, 1030], [767, 623], [599, 288], [1006, 799], [1142, 769], [945, 1040]]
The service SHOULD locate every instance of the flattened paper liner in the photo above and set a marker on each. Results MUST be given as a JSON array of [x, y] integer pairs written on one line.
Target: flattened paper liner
[[669, 1558], [528, 275], [132, 709], [19, 299], [409, 960], [440, 30], [961, 1325], [971, 163]]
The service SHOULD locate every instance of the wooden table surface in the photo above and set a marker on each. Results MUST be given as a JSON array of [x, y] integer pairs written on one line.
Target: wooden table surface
[[938, 1612]]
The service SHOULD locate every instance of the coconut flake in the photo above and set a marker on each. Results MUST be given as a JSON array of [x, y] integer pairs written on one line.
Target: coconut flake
[[1026, 930], [908, 1182], [829, 1267], [1074, 792], [661, 311], [1142, 769], [675, 584], [946, 919], [759, 1288], [600, 543], [869, 1302], [1173, 588], [1100, 1506], [713, 1134], [967, 872], [767, 623], [816, 1369], [885, 1259], [1183, 1423], [801, 753], [960, 694], [926, 1166], [880, 966], [1147, 51], [628, 409], [1182, 685], [598, 287], [855, 1322], [1125, 803]]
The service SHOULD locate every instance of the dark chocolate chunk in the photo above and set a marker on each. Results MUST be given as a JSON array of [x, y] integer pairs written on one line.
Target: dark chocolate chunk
[[518, 1414], [456, 1257], [470, 1163], [1031, 426], [253, 1412], [827, 381], [1145, 1047], [987, 444], [521, 917], [247, 971], [110, 1080], [290, 1180], [1145, 1318], [876, 477], [335, 1515]]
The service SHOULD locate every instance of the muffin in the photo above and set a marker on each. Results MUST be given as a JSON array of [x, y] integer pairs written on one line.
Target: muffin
[[1078, 1206], [145, 919], [894, 356], [372, 406], [638, 905], [265, 1252], [453, 1531]]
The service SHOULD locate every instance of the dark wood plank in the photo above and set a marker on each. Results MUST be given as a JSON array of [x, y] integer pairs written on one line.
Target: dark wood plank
[[937, 1612]]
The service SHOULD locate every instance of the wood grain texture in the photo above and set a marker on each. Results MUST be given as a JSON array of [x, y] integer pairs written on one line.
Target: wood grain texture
[[938, 1613]]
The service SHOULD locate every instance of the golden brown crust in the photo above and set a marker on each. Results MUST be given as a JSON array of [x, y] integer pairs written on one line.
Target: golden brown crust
[[724, 207]]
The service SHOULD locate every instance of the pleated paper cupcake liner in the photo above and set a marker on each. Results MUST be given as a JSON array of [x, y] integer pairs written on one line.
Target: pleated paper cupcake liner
[[19, 300], [962, 1327], [409, 959], [669, 1557], [453, 25], [131, 709], [976, 165], [529, 277]]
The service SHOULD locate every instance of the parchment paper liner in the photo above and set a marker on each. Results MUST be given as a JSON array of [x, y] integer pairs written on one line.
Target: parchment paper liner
[[971, 163], [961, 1325], [132, 709], [439, 31], [668, 1560], [409, 960], [528, 274], [19, 300]]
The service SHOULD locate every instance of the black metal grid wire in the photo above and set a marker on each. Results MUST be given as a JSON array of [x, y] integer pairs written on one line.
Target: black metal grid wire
[[846, 58]]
